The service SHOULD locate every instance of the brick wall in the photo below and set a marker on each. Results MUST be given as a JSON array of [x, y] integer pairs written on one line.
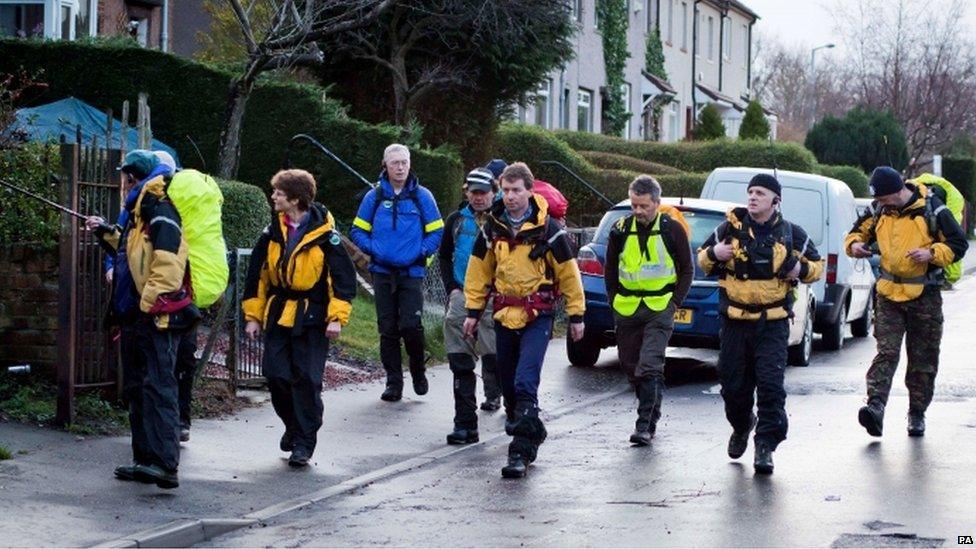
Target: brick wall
[[28, 306]]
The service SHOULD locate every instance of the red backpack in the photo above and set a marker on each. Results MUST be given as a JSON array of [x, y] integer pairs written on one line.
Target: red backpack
[[557, 202]]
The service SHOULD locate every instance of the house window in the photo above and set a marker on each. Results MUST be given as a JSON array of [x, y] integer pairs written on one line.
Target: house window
[[84, 22], [584, 110], [625, 97], [673, 113], [21, 20], [596, 13], [139, 29], [684, 25], [577, 9], [564, 116], [670, 19], [542, 104], [650, 15], [727, 38], [711, 38], [745, 47]]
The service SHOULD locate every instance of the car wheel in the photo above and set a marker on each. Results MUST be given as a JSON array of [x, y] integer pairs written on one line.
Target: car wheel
[[583, 353], [862, 326], [833, 336], [799, 354]]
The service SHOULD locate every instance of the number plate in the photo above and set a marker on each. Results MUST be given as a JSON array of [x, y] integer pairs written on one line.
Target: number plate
[[683, 316]]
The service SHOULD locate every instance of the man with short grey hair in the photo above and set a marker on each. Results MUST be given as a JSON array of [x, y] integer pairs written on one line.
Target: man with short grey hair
[[648, 274], [399, 226]]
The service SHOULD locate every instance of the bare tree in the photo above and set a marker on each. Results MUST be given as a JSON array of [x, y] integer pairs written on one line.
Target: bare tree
[[914, 58], [287, 38]]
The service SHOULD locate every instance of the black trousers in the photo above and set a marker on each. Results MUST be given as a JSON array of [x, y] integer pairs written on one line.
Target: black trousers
[[751, 366], [149, 385], [186, 363], [399, 306], [293, 365]]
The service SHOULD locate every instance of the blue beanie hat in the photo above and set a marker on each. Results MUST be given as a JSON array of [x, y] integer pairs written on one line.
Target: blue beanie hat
[[766, 181], [496, 167], [885, 180]]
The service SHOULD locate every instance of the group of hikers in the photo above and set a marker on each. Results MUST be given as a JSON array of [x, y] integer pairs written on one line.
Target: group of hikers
[[507, 263]]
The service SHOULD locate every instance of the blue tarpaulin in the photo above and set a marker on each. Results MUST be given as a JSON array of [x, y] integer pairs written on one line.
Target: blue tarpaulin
[[48, 123]]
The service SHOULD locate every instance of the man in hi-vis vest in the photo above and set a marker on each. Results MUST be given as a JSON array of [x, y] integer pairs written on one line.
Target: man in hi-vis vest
[[648, 274]]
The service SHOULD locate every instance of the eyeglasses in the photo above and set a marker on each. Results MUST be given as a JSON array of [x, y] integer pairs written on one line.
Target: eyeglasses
[[398, 163]]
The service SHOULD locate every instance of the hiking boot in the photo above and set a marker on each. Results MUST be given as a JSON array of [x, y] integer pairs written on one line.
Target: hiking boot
[[641, 438], [299, 457], [287, 442], [871, 417], [763, 464], [126, 472], [739, 441], [154, 474], [516, 467], [460, 435], [492, 405], [916, 423], [184, 434], [392, 393], [420, 385]]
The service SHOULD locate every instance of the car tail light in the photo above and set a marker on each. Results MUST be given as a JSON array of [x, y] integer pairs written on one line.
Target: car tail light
[[589, 263], [831, 268]]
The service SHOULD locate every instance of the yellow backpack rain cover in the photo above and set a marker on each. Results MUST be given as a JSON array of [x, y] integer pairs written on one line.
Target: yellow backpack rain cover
[[955, 202], [198, 200]]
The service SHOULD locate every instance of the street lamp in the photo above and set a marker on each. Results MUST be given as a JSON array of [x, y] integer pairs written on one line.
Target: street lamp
[[813, 81]]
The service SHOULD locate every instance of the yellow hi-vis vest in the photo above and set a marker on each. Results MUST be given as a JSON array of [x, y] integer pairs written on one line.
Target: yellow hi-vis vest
[[647, 275]]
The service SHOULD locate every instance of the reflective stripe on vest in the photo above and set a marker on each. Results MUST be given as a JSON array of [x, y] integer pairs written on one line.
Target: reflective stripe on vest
[[647, 277]]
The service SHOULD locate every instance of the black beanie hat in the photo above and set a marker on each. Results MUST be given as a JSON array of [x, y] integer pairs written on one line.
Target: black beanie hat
[[885, 180], [767, 181]]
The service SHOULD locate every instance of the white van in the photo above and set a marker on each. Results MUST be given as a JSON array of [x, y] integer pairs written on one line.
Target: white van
[[825, 208]]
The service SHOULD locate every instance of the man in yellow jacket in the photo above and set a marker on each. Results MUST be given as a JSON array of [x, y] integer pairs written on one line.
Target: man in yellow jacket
[[299, 290], [758, 257], [526, 258], [917, 237]]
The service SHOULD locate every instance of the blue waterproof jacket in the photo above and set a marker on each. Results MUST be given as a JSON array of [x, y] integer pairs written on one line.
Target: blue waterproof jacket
[[398, 231]]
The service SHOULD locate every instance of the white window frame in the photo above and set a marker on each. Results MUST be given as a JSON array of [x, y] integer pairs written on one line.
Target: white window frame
[[745, 47], [625, 90], [674, 120], [45, 11], [727, 38], [684, 25], [581, 94], [670, 39], [543, 104], [576, 7], [711, 38]]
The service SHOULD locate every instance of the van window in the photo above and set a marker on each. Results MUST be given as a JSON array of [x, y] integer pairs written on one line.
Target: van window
[[803, 207]]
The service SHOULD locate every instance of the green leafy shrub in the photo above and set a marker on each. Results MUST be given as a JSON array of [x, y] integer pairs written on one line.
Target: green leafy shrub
[[754, 123], [688, 185], [699, 156], [23, 219], [854, 177], [858, 139], [189, 99], [961, 172], [245, 213], [710, 124], [611, 161]]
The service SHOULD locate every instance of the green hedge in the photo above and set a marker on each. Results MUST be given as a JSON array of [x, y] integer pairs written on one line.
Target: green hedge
[[188, 102], [961, 172], [699, 156], [854, 177], [688, 185], [24, 219], [245, 213], [611, 161]]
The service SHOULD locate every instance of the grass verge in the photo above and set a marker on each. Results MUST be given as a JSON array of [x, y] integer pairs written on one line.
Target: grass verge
[[361, 341], [5, 453]]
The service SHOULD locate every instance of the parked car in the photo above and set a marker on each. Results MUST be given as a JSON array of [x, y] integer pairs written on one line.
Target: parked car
[[825, 208], [874, 260], [696, 323]]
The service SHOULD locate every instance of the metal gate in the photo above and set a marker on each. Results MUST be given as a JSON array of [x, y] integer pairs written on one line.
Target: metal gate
[[87, 355]]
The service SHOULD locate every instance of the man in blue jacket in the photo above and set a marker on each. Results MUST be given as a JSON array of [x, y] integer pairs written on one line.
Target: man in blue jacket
[[399, 226]]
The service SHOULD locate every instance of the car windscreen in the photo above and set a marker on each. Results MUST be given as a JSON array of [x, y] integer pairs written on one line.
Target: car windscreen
[[701, 223]]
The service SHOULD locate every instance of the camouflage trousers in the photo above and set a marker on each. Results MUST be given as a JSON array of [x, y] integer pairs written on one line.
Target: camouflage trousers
[[919, 323]]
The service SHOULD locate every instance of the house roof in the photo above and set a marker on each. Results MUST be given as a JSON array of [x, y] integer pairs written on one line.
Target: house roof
[[718, 97], [663, 85], [736, 5]]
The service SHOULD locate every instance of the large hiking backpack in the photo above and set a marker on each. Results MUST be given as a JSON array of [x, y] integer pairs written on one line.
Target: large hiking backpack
[[677, 215], [198, 200], [557, 202], [955, 202]]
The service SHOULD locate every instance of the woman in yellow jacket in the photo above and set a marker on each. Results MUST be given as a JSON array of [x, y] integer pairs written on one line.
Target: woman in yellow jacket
[[299, 289]]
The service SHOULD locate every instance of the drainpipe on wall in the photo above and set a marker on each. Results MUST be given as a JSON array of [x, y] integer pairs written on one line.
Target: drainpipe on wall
[[164, 33], [694, 66]]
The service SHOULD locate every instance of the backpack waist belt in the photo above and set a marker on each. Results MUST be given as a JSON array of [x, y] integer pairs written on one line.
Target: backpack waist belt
[[533, 303]]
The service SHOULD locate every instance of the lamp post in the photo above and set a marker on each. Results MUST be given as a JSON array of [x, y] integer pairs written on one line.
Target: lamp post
[[813, 81]]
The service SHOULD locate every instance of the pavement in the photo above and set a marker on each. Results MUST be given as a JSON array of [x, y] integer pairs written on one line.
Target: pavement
[[382, 474]]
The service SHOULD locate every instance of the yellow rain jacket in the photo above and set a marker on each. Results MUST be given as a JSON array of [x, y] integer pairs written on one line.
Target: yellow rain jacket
[[751, 284], [538, 258], [898, 231], [308, 284]]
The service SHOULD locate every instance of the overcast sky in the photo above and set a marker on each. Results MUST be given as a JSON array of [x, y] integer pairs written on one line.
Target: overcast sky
[[808, 22]]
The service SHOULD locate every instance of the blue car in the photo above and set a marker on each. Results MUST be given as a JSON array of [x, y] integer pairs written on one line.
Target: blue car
[[696, 323]]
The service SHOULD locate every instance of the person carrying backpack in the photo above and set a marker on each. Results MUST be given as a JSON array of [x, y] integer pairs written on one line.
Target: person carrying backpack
[[152, 302], [917, 237], [299, 290], [648, 274], [399, 226]]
